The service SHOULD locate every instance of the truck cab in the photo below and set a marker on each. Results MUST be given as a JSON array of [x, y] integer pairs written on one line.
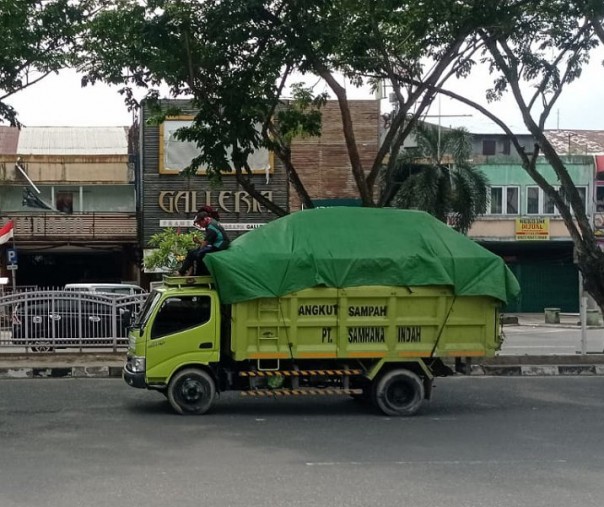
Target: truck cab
[[179, 324]]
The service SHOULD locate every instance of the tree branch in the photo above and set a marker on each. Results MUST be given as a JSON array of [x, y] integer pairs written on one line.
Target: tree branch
[[250, 188], [29, 83], [404, 107]]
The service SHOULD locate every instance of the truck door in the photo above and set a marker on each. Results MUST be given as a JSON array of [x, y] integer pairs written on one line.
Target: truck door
[[184, 329]]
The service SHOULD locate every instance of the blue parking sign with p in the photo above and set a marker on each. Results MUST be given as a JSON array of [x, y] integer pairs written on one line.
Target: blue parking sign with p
[[11, 256]]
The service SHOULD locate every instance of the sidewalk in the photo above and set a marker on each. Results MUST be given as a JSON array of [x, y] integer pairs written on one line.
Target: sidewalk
[[61, 365], [567, 320]]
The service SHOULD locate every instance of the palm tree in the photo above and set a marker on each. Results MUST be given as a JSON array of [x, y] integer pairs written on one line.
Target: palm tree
[[437, 177]]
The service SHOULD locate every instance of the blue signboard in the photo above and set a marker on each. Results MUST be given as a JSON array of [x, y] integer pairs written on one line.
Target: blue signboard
[[11, 256]]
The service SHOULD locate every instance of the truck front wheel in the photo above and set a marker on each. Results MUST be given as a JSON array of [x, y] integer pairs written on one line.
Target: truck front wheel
[[398, 392], [191, 391]]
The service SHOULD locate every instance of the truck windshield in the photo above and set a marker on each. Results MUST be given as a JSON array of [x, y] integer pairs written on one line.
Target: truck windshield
[[147, 309]]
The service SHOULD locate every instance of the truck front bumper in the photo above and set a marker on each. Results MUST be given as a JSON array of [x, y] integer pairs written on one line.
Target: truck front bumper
[[134, 379]]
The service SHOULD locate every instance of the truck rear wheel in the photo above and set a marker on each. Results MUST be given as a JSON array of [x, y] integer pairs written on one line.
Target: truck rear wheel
[[191, 392], [398, 393]]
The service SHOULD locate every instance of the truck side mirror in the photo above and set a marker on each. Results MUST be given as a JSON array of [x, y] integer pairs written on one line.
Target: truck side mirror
[[126, 319]]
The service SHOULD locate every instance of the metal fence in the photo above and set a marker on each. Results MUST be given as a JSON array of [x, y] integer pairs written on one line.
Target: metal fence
[[54, 320]]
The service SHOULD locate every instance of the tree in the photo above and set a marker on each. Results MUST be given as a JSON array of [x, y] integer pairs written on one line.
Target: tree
[[38, 38], [234, 58], [534, 50], [438, 178], [593, 10]]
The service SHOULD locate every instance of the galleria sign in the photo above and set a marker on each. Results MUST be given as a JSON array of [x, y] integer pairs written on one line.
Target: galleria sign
[[172, 201]]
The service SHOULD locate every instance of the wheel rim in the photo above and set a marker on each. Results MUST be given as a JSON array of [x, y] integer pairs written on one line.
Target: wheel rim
[[400, 394], [191, 392]]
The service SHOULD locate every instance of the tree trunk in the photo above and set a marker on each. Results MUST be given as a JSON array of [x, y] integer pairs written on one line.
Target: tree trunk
[[250, 188], [591, 264], [293, 177], [349, 137]]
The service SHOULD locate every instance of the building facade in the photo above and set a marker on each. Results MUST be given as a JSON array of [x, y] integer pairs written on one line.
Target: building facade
[[169, 199], [71, 195], [525, 228]]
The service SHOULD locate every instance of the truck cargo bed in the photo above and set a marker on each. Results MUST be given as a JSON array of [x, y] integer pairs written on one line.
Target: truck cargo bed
[[365, 322]]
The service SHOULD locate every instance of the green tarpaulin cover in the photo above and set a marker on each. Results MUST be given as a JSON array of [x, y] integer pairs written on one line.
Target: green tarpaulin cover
[[348, 247]]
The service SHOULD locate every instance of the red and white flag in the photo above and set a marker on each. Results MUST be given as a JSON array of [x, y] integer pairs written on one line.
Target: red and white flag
[[6, 232]]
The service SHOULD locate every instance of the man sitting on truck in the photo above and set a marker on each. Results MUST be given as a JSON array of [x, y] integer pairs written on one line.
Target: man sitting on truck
[[215, 239]]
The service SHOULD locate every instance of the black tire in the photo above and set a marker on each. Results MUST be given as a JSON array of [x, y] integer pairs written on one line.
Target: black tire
[[398, 393], [191, 392]]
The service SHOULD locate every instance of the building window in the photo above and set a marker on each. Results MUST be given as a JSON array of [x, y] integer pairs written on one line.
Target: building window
[[64, 202], [506, 147], [600, 199], [488, 147], [538, 203], [504, 200], [549, 208], [532, 200], [178, 314]]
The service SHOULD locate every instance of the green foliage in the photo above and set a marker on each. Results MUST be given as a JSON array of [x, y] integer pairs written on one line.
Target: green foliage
[[38, 38], [436, 177], [233, 58], [230, 58], [202, 50], [543, 44], [171, 247], [301, 117]]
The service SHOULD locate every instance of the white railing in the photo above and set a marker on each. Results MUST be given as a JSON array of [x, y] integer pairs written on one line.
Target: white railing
[[115, 226], [52, 320]]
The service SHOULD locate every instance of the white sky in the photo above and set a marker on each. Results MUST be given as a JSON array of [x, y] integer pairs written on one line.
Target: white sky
[[59, 100], [581, 105]]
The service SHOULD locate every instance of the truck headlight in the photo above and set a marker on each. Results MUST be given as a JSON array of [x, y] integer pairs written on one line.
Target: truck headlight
[[137, 364]]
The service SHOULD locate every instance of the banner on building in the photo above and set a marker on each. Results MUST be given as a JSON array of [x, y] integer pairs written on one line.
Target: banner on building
[[227, 226], [175, 155], [531, 229]]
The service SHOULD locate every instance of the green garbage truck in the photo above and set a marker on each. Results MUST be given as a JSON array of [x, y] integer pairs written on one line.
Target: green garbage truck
[[371, 303]]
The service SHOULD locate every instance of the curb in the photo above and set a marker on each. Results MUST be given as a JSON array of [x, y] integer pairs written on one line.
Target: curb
[[477, 370], [544, 370], [557, 326], [61, 372], [111, 365]]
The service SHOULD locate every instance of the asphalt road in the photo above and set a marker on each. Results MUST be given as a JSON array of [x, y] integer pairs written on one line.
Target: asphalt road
[[492, 441]]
